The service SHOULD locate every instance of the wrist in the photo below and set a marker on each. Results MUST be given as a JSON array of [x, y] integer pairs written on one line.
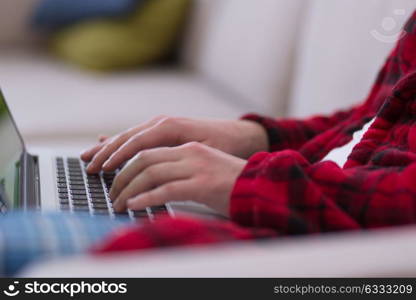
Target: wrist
[[255, 137]]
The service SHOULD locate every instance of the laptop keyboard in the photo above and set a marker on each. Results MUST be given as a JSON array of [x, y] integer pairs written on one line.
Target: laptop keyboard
[[82, 192]]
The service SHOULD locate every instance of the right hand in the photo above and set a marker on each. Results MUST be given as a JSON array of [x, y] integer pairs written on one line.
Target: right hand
[[237, 137]]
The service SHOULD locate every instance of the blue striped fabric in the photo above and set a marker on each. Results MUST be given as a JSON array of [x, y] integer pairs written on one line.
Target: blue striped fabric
[[26, 237], [54, 14]]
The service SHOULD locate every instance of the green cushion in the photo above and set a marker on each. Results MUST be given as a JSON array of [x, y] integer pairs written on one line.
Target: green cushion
[[144, 37]]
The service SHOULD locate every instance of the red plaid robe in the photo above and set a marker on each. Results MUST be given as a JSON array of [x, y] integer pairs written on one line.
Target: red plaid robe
[[289, 191]]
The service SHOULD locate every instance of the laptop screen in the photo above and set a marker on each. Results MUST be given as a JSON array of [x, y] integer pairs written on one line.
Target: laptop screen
[[11, 149]]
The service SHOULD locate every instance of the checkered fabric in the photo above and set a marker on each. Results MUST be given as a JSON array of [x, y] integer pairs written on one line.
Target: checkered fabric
[[31, 237], [289, 191]]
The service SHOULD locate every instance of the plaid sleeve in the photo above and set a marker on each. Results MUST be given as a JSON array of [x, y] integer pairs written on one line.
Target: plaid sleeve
[[294, 133], [284, 191], [376, 188], [170, 232]]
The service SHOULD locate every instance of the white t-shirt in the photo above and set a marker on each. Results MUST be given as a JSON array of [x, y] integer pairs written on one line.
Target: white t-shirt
[[340, 155]]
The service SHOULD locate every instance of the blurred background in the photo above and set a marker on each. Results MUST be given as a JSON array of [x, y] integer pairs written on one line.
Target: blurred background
[[73, 69]]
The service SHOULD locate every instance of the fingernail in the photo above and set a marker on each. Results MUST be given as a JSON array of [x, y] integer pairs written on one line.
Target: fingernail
[[115, 205], [90, 168], [83, 153]]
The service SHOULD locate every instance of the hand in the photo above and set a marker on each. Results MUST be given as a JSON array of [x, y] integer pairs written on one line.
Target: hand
[[238, 137], [189, 172]]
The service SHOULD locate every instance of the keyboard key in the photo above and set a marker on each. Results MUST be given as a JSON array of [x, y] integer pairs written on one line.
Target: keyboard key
[[78, 187], [79, 197], [76, 182], [80, 202], [75, 174], [100, 212], [96, 190], [140, 214], [99, 205], [77, 192], [64, 201], [63, 195], [62, 190], [109, 174], [72, 159], [159, 208], [95, 185], [75, 167], [98, 200], [93, 176], [81, 206], [62, 185], [97, 195], [94, 181]]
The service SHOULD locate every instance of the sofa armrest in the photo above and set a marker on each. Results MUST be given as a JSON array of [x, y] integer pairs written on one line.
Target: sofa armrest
[[389, 252]]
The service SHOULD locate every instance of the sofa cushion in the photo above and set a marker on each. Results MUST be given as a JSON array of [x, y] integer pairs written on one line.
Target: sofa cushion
[[106, 44], [246, 46], [51, 99], [338, 56]]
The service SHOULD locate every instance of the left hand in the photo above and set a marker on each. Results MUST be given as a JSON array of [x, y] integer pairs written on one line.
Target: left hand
[[192, 171]]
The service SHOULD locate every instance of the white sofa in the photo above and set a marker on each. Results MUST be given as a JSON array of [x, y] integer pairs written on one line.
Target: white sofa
[[281, 57]]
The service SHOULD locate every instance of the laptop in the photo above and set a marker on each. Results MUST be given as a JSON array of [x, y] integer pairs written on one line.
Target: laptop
[[52, 180]]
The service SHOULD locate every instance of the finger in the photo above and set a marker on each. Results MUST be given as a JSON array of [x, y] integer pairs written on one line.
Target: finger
[[102, 138], [180, 190], [160, 135], [99, 158], [103, 154], [141, 162], [150, 178], [88, 154]]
